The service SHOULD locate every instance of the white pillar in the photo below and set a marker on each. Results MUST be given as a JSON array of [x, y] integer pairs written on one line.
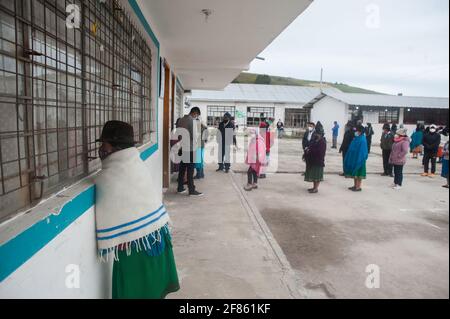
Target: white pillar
[[401, 115]]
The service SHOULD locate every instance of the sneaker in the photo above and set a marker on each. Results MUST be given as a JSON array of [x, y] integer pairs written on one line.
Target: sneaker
[[183, 191], [352, 188], [313, 191], [432, 175], [219, 169], [397, 187], [393, 185], [445, 186], [255, 186], [227, 171], [195, 193], [424, 174], [248, 187], [357, 189]]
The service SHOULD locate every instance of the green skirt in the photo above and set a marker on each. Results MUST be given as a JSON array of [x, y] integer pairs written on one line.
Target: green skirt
[[314, 174], [360, 174], [141, 276]]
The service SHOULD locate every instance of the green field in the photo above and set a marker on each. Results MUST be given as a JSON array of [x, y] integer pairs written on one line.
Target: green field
[[252, 78]]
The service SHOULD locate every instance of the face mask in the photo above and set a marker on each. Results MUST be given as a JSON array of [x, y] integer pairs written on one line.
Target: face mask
[[356, 134], [103, 154], [310, 129], [432, 130]]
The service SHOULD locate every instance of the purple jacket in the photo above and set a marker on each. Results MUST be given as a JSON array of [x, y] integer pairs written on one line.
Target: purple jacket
[[399, 151]]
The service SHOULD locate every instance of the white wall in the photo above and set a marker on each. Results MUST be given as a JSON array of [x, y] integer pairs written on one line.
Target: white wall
[[328, 110], [44, 275]]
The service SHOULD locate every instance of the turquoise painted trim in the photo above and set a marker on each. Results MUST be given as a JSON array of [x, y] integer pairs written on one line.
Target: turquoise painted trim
[[19, 249], [140, 15], [149, 152]]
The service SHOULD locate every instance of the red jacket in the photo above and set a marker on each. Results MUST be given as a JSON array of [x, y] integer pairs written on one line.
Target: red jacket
[[268, 135]]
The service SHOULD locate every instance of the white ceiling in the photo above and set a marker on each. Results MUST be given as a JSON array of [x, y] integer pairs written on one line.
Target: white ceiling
[[210, 54]]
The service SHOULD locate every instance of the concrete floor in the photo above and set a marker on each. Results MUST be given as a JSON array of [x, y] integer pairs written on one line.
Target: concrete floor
[[282, 242], [331, 237]]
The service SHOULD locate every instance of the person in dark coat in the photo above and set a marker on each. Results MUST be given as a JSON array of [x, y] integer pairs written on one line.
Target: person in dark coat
[[369, 134], [386, 142], [186, 128], [394, 128], [225, 140], [349, 134], [315, 159], [431, 141], [308, 135]]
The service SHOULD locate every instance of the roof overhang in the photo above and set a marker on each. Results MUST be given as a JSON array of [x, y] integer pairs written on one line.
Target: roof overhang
[[210, 53]]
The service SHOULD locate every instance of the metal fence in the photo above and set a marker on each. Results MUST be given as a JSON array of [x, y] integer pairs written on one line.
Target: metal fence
[[58, 86]]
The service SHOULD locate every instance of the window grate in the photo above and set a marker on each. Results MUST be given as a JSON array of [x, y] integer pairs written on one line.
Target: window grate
[[216, 113], [254, 114], [58, 86]]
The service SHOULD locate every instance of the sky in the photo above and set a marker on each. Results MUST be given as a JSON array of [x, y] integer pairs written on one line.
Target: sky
[[399, 46]]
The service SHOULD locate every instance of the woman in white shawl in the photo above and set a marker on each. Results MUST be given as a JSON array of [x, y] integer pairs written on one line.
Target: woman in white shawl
[[131, 221]]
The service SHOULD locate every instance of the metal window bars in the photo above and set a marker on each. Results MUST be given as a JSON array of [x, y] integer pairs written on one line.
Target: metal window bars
[[254, 114], [58, 86], [215, 114]]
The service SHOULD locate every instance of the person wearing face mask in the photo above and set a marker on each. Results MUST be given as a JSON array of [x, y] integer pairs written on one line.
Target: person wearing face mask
[[386, 142], [190, 134], [128, 194], [355, 159], [255, 159], [431, 141], [225, 140], [398, 155], [347, 140], [308, 135], [315, 159]]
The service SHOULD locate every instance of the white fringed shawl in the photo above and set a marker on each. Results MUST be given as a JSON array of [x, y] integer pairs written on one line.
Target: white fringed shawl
[[128, 202]]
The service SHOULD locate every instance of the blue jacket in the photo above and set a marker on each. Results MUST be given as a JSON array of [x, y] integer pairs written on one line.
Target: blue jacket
[[335, 130]]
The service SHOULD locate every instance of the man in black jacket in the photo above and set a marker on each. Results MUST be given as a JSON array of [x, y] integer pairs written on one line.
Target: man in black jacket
[[431, 141], [386, 143], [187, 128], [347, 140], [369, 134], [225, 140]]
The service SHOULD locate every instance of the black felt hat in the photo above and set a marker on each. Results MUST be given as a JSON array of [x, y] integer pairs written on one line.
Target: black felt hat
[[117, 132]]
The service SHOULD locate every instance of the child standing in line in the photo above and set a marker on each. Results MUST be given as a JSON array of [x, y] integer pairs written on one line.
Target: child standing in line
[[256, 157]]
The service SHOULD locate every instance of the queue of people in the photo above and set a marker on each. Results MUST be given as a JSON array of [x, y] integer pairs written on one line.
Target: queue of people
[[355, 148]]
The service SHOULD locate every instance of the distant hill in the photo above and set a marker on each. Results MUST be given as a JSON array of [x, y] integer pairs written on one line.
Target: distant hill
[[253, 78]]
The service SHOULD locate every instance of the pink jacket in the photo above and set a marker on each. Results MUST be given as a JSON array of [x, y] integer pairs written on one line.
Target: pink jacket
[[399, 151], [256, 154]]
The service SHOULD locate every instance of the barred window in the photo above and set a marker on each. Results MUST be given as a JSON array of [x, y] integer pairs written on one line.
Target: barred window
[[58, 86], [296, 118], [254, 114], [389, 115], [426, 115], [216, 113]]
